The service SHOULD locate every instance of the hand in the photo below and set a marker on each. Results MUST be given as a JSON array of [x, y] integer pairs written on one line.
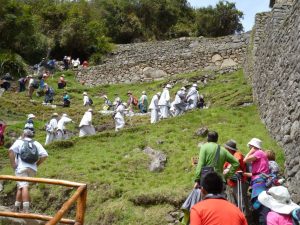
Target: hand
[[196, 185]]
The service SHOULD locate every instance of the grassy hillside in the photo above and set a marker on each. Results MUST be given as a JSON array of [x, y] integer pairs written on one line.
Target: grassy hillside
[[121, 189]]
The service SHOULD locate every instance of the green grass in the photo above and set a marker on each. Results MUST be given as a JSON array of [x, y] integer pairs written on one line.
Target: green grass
[[121, 189]]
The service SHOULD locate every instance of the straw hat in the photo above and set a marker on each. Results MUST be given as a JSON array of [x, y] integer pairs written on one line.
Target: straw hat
[[231, 145], [255, 142], [278, 199], [30, 116]]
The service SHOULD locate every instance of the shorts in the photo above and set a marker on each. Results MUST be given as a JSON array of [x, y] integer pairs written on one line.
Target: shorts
[[26, 172]]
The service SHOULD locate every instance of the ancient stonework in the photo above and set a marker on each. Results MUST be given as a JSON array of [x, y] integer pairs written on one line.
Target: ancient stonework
[[274, 68], [142, 62]]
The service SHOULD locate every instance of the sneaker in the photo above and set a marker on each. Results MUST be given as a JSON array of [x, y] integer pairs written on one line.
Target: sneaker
[[15, 208]]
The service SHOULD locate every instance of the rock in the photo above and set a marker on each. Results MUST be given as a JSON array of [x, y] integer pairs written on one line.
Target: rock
[[159, 142], [228, 63], [194, 44], [153, 73], [202, 132], [158, 159], [216, 58]]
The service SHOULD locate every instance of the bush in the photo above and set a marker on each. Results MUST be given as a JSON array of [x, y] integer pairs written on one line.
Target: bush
[[12, 63]]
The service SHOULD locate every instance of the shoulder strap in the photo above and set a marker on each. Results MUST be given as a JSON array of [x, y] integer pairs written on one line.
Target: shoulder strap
[[217, 156]]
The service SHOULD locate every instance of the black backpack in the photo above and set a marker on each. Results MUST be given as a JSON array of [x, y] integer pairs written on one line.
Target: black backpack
[[91, 101], [29, 152]]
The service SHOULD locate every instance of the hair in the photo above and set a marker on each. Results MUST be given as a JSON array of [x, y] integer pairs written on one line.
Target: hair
[[213, 183], [28, 133], [212, 136], [270, 155]]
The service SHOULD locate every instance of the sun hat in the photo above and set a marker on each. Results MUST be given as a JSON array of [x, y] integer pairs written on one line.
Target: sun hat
[[54, 114], [45, 84], [195, 85], [231, 144], [143, 92], [84, 93], [125, 104], [168, 86], [64, 115], [277, 199], [104, 96], [90, 110], [183, 88], [158, 93], [30, 116], [255, 142]]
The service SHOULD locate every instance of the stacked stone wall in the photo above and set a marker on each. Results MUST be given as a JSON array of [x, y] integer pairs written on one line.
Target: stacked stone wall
[[275, 75], [143, 62]]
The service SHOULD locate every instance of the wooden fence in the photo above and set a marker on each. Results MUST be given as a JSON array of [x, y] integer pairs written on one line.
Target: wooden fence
[[79, 196]]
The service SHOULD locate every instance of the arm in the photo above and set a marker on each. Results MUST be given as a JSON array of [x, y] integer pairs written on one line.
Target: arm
[[250, 157], [41, 160], [234, 164], [11, 155]]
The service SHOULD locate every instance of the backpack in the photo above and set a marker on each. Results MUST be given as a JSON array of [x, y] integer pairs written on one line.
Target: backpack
[[35, 84], [29, 152], [91, 101], [135, 101]]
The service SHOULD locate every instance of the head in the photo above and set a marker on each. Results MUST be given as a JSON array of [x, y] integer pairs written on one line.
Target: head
[[158, 94], [28, 133], [212, 184], [255, 143], [183, 88], [129, 93], [270, 155], [168, 86], [212, 136], [144, 93], [30, 116], [54, 115], [64, 115], [90, 110], [195, 85], [231, 146], [84, 93]]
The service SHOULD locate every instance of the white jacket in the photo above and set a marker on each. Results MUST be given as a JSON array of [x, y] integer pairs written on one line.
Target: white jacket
[[154, 102], [52, 125], [120, 112], [86, 100], [192, 94], [61, 123], [164, 98], [86, 119]]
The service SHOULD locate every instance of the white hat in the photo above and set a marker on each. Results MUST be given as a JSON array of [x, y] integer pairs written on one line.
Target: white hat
[[104, 96], [64, 115], [168, 86], [84, 93], [90, 110], [54, 114], [158, 93], [143, 92], [125, 104], [45, 84], [278, 199], [183, 88], [195, 85], [255, 142], [30, 116]]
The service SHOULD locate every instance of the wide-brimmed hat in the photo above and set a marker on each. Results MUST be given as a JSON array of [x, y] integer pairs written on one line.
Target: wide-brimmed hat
[[54, 114], [104, 96], [143, 92], [168, 86], [231, 144], [90, 110], [84, 93], [195, 85], [183, 88], [30, 116], [64, 115], [278, 199], [255, 142], [158, 93]]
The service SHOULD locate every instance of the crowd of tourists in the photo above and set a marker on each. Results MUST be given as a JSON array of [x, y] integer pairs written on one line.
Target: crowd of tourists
[[223, 179]]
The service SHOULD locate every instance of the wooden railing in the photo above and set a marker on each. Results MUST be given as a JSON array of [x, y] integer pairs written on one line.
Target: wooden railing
[[79, 196]]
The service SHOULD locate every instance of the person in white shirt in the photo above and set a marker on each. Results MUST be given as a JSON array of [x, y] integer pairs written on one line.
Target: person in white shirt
[[85, 126], [154, 108], [192, 97], [25, 169], [61, 129], [164, 102], [51, 129], [178, 106], [86, 99], [119, 116]]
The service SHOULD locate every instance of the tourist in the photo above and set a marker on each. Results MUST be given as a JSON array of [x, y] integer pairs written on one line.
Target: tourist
[[214, 209], [86, 127], [25, 167], [178, 106], [29, 122], [51, 129], [212, 155], [75, 63], [61, 133], [49, 94], [260, 165], [107, 103], [32, 85], [2, 131], [237, 185], [154, 108], [61, 84], [192, 97], [278, 200], [85, 64], [86, 99], [66, 100], [131, 102], [119, 115], [143, 103], [66, 62], [22, 83], [164, 102]]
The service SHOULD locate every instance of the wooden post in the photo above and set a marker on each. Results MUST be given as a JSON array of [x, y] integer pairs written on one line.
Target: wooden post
[[81, 206], [66, 206]]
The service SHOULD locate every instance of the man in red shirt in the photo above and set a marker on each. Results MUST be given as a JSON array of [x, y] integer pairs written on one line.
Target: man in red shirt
[[214, 209]]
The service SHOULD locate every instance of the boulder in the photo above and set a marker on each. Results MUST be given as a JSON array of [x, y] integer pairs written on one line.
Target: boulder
[[158, 159], [216, 58], [154, 73], [202, 132], [228, 63]]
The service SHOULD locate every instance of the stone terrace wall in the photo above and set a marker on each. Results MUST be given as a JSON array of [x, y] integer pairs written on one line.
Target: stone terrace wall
[[142, 62], [276, 83]]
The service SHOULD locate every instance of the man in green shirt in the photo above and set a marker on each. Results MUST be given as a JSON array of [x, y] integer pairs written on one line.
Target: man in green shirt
[[207, 155]]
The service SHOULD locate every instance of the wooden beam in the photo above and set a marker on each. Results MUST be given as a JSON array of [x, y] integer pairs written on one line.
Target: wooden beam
[[81, 207], [34, 216], [42, 180], [66, 206]]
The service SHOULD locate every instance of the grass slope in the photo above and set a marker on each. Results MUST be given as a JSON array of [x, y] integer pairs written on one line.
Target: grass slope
[[121, 188]]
